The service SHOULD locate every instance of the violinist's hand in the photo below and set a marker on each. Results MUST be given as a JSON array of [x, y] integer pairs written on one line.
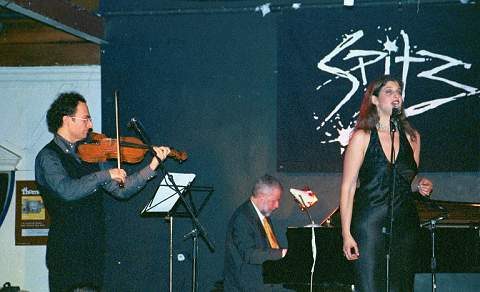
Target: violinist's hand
[[425, 187], [118, 175], [162, 153]]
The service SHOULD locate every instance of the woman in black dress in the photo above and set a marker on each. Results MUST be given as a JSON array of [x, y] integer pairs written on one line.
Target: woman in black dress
[[366, 192]]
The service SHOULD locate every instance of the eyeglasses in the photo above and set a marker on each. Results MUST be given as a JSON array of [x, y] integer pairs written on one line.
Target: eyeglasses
[[82, 119]]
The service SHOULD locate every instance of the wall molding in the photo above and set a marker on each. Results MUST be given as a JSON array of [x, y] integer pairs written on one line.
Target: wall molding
[[51, 73]]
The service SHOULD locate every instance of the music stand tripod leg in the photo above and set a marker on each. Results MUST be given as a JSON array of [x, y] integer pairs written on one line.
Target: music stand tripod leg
[[195, 263], [194, 235], [170, 254]]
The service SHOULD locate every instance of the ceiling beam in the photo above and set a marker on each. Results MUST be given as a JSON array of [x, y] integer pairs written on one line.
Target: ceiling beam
[[62, 15]]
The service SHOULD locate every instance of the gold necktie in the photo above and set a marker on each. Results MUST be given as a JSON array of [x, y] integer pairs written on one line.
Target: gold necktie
[[271, 237]]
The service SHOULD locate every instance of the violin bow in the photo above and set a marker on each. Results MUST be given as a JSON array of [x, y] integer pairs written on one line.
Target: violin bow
[[117, 130]]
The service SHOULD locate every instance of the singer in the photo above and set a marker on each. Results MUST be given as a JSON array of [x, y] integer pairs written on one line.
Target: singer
[[73, 193], [367, 190]]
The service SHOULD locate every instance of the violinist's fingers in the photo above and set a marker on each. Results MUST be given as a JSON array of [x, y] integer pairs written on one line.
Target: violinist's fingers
[[162, 152], [118, 175]]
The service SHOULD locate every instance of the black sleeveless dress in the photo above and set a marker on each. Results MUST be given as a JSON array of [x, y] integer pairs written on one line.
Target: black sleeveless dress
[[371, 215]]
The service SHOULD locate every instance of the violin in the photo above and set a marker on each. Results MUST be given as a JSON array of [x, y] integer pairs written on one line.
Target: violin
[[132, 150]]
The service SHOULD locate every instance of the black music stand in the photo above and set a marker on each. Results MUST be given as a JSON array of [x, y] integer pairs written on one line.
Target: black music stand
[[194, 233], [166, 203], [163, 203]]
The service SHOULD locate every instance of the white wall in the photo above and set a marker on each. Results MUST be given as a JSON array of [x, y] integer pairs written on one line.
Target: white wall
[[25, 95]]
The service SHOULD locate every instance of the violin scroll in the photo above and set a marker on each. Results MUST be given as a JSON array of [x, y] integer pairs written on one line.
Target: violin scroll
[[178, 155]]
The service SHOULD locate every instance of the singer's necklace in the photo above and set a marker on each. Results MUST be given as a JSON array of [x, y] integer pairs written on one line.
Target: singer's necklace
[[381, 127]]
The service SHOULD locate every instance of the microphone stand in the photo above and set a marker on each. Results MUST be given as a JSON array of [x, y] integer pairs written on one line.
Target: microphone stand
[[432, 223], [433, 261], [198, 229], [389, 232]]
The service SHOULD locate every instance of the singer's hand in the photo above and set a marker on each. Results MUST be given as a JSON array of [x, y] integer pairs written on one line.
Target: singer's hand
[[425, 186], [162, 153], [117, 174], [350, 248]]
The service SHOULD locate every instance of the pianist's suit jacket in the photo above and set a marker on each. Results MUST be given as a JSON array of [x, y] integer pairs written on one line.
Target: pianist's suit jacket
[[246, 248]]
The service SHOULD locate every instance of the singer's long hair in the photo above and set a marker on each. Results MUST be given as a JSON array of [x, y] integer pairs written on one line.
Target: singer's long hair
[[368, 116]]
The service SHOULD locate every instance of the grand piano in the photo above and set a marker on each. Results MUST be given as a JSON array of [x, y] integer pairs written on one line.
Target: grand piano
[[457, 248]]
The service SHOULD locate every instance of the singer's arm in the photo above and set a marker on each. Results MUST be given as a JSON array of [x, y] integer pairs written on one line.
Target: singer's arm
[[352, 162]]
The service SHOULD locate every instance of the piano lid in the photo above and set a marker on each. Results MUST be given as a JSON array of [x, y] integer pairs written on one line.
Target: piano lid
[[458, 213]]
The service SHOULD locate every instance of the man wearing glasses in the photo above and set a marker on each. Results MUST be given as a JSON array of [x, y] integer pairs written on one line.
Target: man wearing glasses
[[73, 193], [250, 239]]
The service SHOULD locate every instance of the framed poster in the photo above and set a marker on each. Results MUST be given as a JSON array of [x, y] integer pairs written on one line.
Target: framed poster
[[31, 217]]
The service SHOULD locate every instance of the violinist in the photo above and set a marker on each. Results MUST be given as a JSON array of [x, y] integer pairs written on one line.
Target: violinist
[[73, 193]]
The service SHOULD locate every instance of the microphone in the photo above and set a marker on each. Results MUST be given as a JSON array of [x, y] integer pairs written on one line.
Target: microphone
[[395, 117], [396, 112], [138, 127], [132, 123]]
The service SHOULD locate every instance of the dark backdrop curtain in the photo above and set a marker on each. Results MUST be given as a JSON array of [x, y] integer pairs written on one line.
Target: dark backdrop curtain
[[326, 60]]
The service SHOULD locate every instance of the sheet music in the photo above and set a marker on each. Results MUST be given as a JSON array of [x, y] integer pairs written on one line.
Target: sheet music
[[166, 196], [305, 198]]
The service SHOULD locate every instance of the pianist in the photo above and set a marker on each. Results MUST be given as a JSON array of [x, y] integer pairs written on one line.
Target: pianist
[[250, 238]]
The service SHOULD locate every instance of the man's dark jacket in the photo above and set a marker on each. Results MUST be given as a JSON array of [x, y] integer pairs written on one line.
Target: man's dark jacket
[[246, 248]]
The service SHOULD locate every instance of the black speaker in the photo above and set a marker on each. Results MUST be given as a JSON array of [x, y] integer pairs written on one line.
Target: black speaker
[[448, 282]]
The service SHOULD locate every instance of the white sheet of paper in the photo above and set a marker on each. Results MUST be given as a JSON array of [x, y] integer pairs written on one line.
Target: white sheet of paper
[[166, 196]]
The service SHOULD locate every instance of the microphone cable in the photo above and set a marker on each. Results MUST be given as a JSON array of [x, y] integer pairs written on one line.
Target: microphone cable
[[314, 245], [314, 256]]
